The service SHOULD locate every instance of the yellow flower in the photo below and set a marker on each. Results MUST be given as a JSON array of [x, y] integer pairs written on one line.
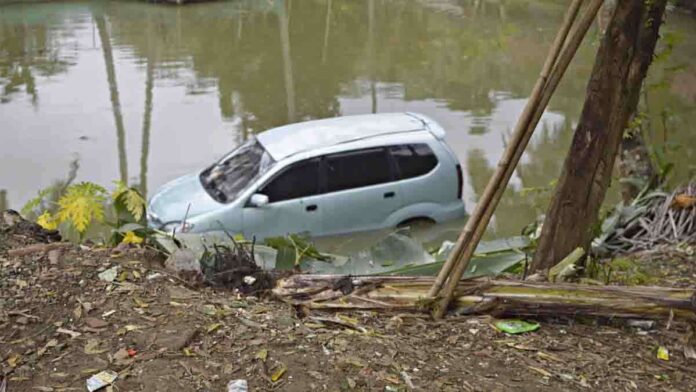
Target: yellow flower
[[47, 221], [132, 238]]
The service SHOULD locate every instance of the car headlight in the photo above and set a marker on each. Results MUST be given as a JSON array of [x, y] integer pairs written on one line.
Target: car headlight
[[179, 227]]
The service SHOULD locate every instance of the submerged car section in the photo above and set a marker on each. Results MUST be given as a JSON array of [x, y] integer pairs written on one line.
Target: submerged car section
[[323, 177]]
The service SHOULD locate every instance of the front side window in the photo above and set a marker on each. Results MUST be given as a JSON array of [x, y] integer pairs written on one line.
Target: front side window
[[300, 180], [225, 179], [413, 160], [357, 169]]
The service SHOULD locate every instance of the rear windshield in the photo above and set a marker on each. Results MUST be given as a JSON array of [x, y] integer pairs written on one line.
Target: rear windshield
[[225, 179]]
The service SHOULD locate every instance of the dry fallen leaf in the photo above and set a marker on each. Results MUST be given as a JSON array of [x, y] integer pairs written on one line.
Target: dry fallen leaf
[[684, 201], [72, 334], [13, 359], [279, 372], [51, 343], [94, 346], [540, 371], [662, 353], [548, 356]]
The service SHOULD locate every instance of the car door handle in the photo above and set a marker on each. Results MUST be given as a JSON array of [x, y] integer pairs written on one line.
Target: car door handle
[[389, 195], [311, 207]]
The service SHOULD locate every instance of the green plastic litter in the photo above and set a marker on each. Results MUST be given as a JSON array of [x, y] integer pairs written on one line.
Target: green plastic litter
[[516, 326]]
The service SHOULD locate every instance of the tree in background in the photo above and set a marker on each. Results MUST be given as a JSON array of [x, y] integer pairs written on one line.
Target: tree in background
[[622, 62]]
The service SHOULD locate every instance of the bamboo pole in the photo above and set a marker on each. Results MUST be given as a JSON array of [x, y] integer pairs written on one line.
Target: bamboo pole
[[556, 47], [477, 224]]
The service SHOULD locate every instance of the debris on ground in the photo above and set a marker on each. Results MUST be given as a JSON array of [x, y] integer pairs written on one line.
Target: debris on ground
[[653, 220], [237, 386], [60, 325], [101, 380], [515, 326]]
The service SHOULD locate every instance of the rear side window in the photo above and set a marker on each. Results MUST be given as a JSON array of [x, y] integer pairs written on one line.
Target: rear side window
[[357, 169], [413, 160], [299, 180]]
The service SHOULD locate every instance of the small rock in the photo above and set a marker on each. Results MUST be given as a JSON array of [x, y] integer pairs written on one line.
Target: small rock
[[109, 275], [54, 256], [175, 341], [95, 322], [183, 260], [181, 293], [641, 324], [22, 320]]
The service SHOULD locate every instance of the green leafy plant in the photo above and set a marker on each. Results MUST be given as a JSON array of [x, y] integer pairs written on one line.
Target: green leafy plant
[[83, 205], [130, 224], [296, 248], [129, 200], [46, 200]]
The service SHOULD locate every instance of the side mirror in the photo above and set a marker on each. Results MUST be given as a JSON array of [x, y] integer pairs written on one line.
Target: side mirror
[[258, 200]]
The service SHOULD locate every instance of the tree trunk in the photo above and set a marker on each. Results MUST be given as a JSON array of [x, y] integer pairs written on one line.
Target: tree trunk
[[623, 58]]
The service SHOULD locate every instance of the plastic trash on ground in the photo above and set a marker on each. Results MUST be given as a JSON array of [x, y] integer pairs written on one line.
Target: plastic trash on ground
[[237, 386], [663, 353], [516, 326], [101, 380], [109, 275]]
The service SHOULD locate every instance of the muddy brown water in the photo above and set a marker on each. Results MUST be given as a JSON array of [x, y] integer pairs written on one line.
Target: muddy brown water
[[146, 93]]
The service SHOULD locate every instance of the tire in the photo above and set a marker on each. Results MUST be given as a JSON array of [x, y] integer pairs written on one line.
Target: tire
[[415, 224]]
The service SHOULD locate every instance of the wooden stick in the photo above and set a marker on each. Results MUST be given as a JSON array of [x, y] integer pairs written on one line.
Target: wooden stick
[[526, 116], [497, 184], [37, 248]]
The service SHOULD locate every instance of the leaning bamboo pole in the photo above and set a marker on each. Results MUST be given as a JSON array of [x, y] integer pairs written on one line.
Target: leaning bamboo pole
[[485, 296], [546, 85], [522, 125]]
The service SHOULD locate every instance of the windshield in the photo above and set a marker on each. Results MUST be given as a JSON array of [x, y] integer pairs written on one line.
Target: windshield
[[233, 173]]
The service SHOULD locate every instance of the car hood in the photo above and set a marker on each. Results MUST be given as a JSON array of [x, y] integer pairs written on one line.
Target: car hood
[[172, 200]]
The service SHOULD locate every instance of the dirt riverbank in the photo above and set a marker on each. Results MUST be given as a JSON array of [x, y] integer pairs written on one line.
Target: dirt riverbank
[[60, 323]]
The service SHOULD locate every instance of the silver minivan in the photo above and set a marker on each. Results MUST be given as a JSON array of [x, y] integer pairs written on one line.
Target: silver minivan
[[322, 177]]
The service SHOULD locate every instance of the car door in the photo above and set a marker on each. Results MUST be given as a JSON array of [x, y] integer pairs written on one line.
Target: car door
[[293, 203], [360, 191]]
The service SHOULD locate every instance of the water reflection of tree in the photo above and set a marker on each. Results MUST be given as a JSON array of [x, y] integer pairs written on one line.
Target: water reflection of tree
[[270, 71], [107, 51], [27, 50], [283, 26], [147, 122], [3, 199], [523, 203], [244, 45]]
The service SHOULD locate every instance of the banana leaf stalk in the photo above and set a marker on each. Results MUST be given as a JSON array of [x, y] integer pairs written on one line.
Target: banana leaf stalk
[[486, 296]]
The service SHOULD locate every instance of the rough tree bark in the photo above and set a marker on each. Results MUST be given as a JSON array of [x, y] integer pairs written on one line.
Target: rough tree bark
[[622, 61]]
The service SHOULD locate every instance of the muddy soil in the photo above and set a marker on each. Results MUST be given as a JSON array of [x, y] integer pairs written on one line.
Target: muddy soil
[[60, 323]]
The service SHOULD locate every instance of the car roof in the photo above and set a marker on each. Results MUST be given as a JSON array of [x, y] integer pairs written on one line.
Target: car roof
[[291, 139]]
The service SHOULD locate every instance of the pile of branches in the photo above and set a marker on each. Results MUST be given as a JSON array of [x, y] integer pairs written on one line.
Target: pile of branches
[[234, 267], [653, 220]]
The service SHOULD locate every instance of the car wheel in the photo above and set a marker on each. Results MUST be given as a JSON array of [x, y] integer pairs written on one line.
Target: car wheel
[[416, 224]]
